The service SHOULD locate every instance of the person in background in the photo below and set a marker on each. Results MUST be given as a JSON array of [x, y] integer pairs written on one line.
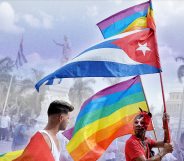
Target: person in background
[[5, 126], [21, 134], [179, 151]]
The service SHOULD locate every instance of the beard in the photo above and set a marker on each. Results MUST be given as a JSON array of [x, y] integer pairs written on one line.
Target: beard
[[63, 126]]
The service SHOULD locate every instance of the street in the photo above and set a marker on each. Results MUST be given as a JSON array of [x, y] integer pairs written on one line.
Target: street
[[5, 146]]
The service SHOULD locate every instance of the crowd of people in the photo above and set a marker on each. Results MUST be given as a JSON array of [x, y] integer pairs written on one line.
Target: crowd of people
[[51, 141], [17, 131]]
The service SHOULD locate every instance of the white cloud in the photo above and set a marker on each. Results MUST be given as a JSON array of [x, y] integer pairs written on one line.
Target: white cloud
[[8, 19], [47, 65], [43, 20], [32, 21], [37, 62], [92, 11]]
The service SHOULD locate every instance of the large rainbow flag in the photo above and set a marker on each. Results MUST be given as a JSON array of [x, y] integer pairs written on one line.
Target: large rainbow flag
[[105, 116], [136, 17]]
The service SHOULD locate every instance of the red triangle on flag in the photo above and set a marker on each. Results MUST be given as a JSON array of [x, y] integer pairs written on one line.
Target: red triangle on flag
[[141, 47]]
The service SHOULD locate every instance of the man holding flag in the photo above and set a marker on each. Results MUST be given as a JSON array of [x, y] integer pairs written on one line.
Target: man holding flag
[[127, 54], [138, 147]]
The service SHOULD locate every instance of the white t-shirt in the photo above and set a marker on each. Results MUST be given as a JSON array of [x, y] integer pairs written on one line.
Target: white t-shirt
[[5, 121]]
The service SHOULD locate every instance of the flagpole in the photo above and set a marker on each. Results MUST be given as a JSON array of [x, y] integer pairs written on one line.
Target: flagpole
[[149, 111], [163, 97], [7, 95]]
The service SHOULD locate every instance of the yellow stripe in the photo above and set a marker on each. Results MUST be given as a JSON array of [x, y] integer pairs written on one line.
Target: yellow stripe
[[137, 24], [152, 13], [92, 128], [11, 155]]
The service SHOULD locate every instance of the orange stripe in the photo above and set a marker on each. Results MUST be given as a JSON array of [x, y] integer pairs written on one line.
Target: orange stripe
[[93, 155], [90, 143], [103, 138], [105, 143]]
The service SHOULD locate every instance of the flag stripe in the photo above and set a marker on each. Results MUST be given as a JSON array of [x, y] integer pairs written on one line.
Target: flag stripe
[[106, 54], [139, 23], [109, 69], [109, 90], [119, 26], [122, 14], [94, 115], [95, 153], [92, 128], [99, 136], [96, 68], [108, 43], [124, 130], [112, 98]]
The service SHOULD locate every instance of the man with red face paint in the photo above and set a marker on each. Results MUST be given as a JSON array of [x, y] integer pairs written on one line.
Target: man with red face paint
[[138, 146]]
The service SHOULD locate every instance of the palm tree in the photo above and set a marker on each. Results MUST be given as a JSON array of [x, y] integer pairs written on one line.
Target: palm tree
[[24, 98], [6, 66], [79, 92]]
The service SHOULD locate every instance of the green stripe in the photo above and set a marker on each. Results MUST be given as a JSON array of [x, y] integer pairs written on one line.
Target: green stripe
[[1, 155], [107, 110]]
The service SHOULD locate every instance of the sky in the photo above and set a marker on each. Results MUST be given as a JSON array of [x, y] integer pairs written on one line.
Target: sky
[[41, 22]]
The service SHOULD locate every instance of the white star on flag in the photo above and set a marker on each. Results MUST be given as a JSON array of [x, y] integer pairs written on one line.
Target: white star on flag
[[143, 48]]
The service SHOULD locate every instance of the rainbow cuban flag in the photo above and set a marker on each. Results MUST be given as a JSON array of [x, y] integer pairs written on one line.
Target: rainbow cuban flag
[[136, 17], [105, 116]]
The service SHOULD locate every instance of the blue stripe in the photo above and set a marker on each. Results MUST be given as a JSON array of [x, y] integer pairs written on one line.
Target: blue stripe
[[98, 69], [109, 99], [106, 44], [121, 25]]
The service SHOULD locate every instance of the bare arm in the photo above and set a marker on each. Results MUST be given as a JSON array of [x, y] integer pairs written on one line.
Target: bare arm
[[167, 148]]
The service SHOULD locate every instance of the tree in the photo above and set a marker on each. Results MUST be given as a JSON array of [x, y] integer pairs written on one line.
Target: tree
[[79, 92], [6, 66]]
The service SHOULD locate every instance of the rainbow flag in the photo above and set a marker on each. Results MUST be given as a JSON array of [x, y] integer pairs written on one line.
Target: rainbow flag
[[10, 155], [133, 18], [105, 116]]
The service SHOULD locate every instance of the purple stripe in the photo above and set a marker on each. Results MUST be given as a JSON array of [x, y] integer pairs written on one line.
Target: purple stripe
[[116, 88], [122, 14], [68, 133]]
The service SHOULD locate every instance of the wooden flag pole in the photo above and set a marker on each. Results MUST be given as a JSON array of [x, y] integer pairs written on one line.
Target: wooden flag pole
[[167, 131]]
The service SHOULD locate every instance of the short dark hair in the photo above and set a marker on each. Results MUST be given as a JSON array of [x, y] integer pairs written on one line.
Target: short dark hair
[[59, 107]]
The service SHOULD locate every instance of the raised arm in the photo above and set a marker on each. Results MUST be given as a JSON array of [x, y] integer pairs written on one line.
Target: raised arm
[[167, 148], [57, 43]]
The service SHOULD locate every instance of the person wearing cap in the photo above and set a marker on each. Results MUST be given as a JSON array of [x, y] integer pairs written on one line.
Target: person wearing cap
[[44, 145], [138, 146]]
